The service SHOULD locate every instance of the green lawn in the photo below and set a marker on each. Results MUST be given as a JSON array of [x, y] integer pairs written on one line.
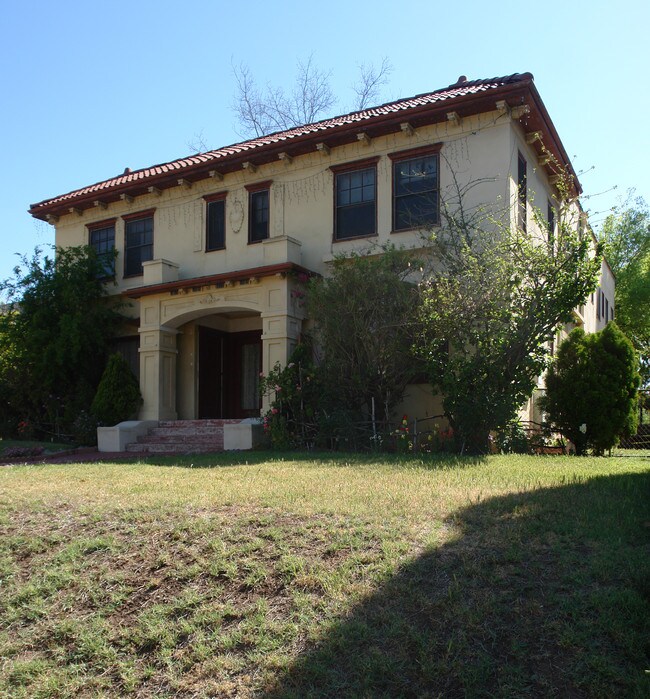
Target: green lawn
[[247, 575]]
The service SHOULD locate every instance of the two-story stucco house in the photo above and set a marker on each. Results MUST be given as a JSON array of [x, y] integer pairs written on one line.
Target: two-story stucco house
[[213, 249]]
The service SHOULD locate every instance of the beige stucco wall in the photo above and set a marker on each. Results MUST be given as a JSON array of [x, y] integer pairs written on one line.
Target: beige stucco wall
[[482, 149], [301, 203]]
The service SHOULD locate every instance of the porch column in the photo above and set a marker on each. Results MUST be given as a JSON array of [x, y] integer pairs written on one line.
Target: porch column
[[158, 373], [280, 334]]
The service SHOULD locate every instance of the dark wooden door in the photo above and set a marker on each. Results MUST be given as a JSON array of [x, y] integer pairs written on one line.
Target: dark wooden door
[[229, 374], [242, 376], [211, 366]]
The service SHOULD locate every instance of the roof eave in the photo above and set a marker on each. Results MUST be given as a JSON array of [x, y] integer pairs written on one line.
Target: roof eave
[[422, 115]]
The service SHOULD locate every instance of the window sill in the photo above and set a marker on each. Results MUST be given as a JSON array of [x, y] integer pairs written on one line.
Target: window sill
[[355, 237], [415, 229]]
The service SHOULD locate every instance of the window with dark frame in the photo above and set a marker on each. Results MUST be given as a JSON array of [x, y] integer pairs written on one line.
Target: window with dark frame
[[102, 240], [550, 217], [258, 215], [215, 235], [522, 193], [415, 192], [355, 203], [138, 248]]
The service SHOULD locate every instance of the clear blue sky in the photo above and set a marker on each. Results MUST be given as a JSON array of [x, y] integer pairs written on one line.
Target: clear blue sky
[[89, 88]]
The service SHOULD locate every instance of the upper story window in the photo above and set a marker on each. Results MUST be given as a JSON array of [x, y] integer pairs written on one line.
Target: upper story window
[[138, 241], [550, 217], [258, 211], [416, 188], [102, 239], [215, 232], [355, 199], [522, 191]]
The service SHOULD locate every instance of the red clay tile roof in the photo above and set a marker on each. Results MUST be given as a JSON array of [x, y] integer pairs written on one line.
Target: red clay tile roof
[[265, 148]]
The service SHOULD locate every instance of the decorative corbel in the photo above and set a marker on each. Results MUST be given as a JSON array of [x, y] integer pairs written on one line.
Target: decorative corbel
[[454, 118]]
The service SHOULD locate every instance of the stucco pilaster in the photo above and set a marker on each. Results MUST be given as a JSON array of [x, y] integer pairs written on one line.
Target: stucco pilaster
[[158, 373]]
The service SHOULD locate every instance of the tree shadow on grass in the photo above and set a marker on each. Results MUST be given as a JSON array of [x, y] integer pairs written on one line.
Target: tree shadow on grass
[[541, 594]]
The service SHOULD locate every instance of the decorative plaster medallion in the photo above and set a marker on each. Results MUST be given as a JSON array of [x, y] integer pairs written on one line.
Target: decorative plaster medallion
[[236, 215]]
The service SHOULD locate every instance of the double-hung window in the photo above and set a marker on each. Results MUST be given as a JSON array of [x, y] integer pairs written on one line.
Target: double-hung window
[[550, 217], [101, 237], [522, 191], [416, 188], [215, 215], [258, 211], [355, 199], [138, 241]]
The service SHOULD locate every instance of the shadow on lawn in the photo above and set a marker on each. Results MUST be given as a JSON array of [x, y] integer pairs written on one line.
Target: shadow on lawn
[[541, 594]]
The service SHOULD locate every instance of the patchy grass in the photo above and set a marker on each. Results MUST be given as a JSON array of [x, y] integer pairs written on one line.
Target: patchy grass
[[243, 575]]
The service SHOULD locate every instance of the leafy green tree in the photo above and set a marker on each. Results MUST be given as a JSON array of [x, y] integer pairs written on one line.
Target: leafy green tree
[[592, 388], [366, 316], [118, 394], [54, 337], [627, 238], [492, 301]]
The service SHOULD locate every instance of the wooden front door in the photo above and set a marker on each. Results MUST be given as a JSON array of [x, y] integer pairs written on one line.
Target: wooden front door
[[229, 374]]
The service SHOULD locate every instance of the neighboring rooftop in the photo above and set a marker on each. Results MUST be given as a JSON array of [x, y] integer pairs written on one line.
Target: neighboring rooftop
[[463, 97]]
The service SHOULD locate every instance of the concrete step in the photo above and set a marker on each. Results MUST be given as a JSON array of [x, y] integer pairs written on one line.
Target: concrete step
[[150, 448], [170, 438], [186, 431], [182, 437], [197, 423]]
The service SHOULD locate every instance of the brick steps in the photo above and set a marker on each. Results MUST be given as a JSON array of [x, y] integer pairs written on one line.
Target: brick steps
[[182, 437]]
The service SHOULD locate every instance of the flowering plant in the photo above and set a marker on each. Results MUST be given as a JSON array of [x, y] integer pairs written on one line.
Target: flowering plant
[[293, 393], [403, 437]]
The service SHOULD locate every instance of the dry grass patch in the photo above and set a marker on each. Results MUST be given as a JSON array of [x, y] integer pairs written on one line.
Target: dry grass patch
[[325, 577]]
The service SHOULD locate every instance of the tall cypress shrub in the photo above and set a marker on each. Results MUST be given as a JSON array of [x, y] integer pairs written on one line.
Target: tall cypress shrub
[[118, 394], [592, 389]]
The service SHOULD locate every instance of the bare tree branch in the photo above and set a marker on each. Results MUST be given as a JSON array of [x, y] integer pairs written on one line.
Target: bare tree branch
[[198, 143], [262, 111], [371, 79]]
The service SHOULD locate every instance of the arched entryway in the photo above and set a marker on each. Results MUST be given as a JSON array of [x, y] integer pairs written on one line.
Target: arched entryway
[[202, 349]]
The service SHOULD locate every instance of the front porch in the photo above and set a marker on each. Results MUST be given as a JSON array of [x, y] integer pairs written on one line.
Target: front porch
[[168, 437], [203, 342]]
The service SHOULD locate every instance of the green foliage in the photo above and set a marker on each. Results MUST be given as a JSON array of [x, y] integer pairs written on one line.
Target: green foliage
[[118, 394], [54, 337], [627, 237], [492, 301], [512, 439], [592, 388], [366, 322], [295, 393]]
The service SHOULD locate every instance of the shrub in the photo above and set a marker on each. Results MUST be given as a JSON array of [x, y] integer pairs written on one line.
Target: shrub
[[592, 389], [294, 392], [118, 394]]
